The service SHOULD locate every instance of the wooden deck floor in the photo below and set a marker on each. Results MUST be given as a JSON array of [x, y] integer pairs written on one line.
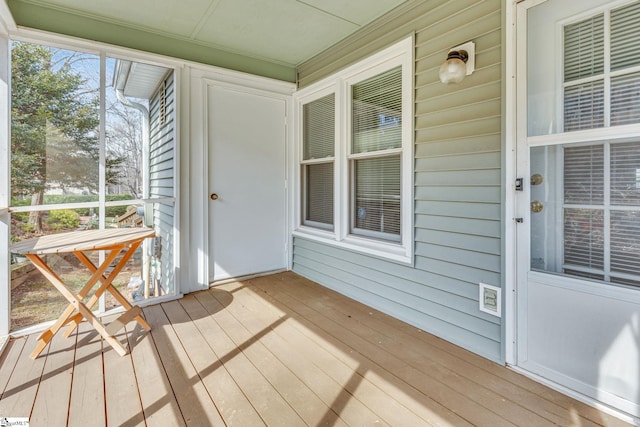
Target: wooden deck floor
[[277, 351]]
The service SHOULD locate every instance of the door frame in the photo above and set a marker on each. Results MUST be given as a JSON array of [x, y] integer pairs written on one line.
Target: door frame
[[511, 79], [202, 78], [5, 180]]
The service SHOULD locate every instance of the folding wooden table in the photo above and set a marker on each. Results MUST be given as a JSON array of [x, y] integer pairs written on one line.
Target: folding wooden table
[[115, 241]]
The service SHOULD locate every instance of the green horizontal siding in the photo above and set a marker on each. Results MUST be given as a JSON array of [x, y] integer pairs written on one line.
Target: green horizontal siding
[[457, 178]]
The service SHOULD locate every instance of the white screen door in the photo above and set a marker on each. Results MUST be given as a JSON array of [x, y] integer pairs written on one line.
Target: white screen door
[[578, 151]]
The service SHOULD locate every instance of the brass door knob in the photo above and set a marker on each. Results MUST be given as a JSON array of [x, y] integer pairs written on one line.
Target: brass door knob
[[536, 179], [536, 206], [214, 196]]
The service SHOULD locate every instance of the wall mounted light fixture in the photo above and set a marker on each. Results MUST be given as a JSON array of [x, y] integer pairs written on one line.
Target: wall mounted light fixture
[[460, 63]]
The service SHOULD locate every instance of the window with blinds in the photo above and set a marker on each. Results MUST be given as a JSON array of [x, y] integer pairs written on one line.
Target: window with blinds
[[602, 212], [355, 159], [318, 147], [375, 161], [602, 71], [601, 182]]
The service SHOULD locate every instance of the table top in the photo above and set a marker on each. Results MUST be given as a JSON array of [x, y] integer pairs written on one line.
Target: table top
[[89, 240]]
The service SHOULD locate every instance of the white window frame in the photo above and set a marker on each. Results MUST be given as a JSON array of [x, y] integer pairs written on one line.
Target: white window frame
[[607, 74], [399, 54], [320, 93], [606, 135]]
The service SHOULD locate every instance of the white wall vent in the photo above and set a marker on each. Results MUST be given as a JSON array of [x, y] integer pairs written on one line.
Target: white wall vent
[[490, 299]]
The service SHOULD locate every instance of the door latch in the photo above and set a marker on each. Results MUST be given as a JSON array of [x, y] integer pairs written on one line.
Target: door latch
[[519, 220], [519, 184]]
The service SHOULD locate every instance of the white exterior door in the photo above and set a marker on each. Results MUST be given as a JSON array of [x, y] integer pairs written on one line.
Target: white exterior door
[[247, 182], [578, 149]]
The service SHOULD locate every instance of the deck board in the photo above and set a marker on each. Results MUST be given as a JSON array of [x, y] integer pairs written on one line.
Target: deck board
[[347, 393], [283, 376], [417, 357], [19, 395], [269, 403], [548, 403], [332, 356], [160, 408], [87, 405], [8, 361], [377, 359], [279, 351], [231, 402], [121, 395], [195, 403], [54, 390]]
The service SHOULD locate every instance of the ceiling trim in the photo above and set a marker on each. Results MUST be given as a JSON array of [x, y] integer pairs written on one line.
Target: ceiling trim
[[29, 14]]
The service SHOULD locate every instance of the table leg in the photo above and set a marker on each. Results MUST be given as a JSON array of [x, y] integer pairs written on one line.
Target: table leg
[[75, 303], [98, 273], [107, 283]]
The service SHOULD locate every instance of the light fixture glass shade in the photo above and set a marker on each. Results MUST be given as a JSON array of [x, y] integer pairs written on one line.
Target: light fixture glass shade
[[452, 71]]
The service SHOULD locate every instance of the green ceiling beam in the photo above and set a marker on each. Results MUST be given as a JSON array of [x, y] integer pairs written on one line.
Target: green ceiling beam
[[52, 20]]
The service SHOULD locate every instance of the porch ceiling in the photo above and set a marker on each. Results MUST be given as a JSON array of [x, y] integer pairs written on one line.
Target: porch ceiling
[[285, 32]]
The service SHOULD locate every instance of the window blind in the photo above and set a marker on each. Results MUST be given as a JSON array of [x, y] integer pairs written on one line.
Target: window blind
[[625, 99], [319, 128], [590, 243], [318, 187], [377, 112], [377, 194], [584, 48], [584, 227], [625, 243], [583, 238], [584, 57], [625, 36], [584, 175], [584, 106], [318, 143], [625, 174], [625, 224]]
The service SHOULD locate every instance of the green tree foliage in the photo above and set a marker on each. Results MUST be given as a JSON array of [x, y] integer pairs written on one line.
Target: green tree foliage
[[63, 220], [54, 122]]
